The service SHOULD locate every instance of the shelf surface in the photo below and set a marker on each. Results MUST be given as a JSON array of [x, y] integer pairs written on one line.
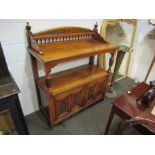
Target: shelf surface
[[72, 78], [8, 87], [70, 50]]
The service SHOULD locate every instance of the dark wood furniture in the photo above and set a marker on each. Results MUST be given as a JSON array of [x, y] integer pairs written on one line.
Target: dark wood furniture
[[137, 120], [65, 93], [126, 107], [9, 97]]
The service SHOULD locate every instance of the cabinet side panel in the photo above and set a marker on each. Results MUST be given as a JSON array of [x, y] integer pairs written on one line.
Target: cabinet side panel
[[44, 104]]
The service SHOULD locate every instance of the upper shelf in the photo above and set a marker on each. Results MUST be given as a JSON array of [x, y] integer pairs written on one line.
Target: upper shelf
[[71, 50], [66, 43]]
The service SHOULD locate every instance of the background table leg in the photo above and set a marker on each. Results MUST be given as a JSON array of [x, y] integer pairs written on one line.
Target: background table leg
[[110, 120]]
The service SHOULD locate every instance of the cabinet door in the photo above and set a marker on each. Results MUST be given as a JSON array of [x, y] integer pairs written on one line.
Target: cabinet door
[[89, 93], [61, 106], [76, 99], [67, 102], [94, 91]]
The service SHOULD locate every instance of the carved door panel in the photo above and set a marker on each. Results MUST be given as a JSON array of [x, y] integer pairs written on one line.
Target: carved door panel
[[89, 93], [61, 106], [76, 99], [67, 102]]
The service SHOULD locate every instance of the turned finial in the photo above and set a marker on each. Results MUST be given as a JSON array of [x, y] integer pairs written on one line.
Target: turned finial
[[28, 27], [96, 27]]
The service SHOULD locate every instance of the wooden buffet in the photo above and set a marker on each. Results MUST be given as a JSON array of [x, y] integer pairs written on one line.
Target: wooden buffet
[[65, 93]]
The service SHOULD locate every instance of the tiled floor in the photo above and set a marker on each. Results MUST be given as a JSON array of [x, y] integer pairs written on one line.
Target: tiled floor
[[91, 121]]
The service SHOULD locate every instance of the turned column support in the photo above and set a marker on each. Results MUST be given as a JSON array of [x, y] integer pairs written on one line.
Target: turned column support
[[48, 77]]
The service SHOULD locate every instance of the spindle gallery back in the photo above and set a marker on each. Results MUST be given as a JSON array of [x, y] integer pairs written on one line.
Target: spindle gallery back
[[63, 94]]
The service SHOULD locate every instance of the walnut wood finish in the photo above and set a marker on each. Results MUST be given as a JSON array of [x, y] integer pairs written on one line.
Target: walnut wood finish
[[68, 92], [126, 107]]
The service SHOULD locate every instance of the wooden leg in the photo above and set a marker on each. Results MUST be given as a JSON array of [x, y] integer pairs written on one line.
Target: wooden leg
[[48, 78], [110, 120], [51, 110], [35, 75]]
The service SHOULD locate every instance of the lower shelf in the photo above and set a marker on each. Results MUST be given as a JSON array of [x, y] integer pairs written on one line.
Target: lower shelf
[[71, 78]]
